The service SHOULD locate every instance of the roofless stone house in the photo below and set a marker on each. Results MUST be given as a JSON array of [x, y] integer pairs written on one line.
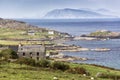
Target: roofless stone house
[[36, 52]]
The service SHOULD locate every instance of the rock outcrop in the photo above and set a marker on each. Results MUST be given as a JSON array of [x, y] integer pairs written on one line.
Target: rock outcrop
[[101, 49], [103, 34], [62, 57]]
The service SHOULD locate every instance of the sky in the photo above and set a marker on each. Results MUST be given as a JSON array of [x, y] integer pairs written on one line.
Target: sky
[[38, 8]]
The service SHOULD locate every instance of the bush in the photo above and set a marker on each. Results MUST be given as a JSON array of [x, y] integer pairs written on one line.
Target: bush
[[27, 61], [8, 54], [78, 70], [60, 66], [43, 63], [111, 76]]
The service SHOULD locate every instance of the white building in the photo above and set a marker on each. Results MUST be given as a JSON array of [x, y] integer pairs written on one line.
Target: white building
[[51, 32]]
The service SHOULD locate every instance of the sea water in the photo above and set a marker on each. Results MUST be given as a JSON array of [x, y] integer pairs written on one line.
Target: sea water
[[78, 27]]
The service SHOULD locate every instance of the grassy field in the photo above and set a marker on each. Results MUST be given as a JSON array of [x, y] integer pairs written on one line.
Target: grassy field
[[12, 71], [99, 33], [11, 42], [9, 33], [94, 69], [10, 36]]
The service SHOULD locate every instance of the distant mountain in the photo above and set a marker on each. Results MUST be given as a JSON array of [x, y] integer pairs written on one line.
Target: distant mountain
[[68, 13], [103, 10], [106, 12]]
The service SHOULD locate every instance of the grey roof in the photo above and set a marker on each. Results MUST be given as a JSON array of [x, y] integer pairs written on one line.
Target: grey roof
[[33, 48]]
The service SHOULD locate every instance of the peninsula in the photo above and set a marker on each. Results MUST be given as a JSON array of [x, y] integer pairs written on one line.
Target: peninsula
[[103, 34]]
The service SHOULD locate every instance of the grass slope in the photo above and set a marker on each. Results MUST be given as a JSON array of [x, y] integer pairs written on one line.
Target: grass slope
[[8, 33], [12, 71], [9, 36]]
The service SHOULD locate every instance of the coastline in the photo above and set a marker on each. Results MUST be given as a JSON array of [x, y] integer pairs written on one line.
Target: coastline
[[88, 41]]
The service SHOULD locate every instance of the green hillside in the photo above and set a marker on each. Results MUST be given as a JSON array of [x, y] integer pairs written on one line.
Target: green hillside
[[12, 71]]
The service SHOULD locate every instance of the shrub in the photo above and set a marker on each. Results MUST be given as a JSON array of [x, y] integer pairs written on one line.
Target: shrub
[[43, 63], [111, 76], [60, 66], [78, 70], [27, 61], [8, 54]]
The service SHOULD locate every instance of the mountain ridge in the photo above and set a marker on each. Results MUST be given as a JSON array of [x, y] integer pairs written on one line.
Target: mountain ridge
[[69, 13], [16, 24]]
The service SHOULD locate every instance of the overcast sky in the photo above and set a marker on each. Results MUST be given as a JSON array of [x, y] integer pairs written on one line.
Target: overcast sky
[[37, 8]]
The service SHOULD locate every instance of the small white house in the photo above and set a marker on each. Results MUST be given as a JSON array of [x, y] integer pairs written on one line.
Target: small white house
[[51, 32], [31, 32]]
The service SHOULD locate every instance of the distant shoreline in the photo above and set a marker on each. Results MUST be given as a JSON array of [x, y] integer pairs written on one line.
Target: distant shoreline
[[85, 19]]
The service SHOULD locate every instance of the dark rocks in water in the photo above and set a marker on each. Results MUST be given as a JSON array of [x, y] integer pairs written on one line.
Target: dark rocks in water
[[101, 49], [62, 57]]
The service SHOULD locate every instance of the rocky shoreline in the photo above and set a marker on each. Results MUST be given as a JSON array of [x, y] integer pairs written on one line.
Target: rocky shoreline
[[56, 38], [73, 48], [66, 58], [58, 49], [101, 49], [99, 35], [103, 34], [88, 38]]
